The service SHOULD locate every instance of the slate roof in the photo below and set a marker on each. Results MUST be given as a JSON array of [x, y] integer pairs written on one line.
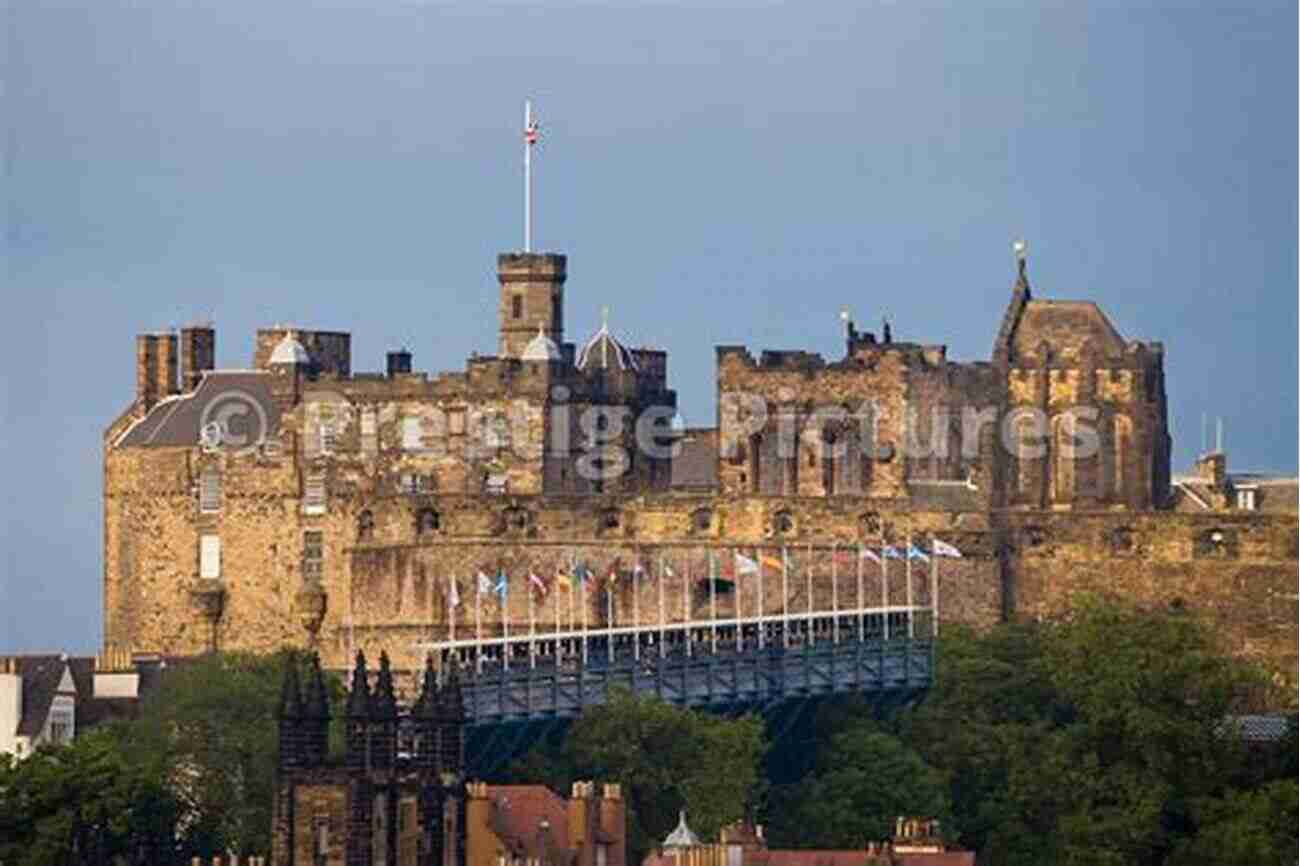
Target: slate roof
[[40, 677], [176, 420]]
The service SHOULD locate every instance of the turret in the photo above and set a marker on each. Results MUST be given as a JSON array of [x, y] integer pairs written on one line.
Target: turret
[[358, 716], [316, 716], [383, 717], [290, 717], [451, 719], [425, 717]]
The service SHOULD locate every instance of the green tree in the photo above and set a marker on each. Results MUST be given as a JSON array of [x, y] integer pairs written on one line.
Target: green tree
[[1086, 739], [213, 721], [864, 779], [666, 758], [1258, 827], [85, 803]]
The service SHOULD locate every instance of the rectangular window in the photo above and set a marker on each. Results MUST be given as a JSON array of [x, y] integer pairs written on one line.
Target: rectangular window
[[1246, 499], [210, 557], [327, 436], [412, 435], [210, 491], [516, 306], [313, 555], [60, 728], [313, 494]]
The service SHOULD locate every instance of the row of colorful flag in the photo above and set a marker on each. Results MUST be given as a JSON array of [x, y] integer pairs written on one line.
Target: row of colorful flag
[[578, 574]]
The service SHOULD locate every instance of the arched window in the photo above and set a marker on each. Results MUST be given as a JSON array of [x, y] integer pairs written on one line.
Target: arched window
[[365, 526]]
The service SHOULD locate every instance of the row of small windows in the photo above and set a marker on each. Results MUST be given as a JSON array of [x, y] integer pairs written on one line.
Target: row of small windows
[[313, 555]]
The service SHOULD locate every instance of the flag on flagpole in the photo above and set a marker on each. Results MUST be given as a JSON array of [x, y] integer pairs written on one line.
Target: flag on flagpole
[[868, 553], [639, 572], [914, 552], [612, 577], [562, 578], [503, 584], [943, 548], [454, 598], [771, 561], [745, 565], [484, 583], [891, 552], [537, 583]]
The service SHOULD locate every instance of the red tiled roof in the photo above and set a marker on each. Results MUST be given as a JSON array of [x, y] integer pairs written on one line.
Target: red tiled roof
[[947, 858], [807, 857], [519, 809]]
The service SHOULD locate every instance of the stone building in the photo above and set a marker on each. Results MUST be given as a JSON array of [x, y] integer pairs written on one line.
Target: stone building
[[400, 797], [397, 798], [298, 502]]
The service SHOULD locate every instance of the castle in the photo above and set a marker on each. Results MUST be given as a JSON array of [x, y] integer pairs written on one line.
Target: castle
[[301, 503]]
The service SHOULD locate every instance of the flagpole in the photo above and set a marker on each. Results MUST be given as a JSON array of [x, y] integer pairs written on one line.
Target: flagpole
[[835, 593], [808, 574], [583, 584], [785, 596], [662, 578], [686, 605], [478, 622], [504, 599], [735, 569], [528, 176], [762, 578], [636, 609], [609, 618], [451, 624], [713, 602], [860, 615], [532, 623], [934, 589], [884, 585], [907, 571]]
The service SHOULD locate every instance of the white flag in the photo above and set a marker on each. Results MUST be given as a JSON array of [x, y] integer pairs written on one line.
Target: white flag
[[485, 584], [943, 548], [454, 598], [868, 553], [745, 565]]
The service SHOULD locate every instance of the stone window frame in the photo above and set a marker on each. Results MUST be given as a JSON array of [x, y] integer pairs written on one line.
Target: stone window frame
[[428, 521], [783, 523], [366, 525], [313, 555], [209, 556], [315, 494], [210, 490]]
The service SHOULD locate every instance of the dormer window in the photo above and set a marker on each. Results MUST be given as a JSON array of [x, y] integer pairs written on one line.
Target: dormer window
[[1246, 498]]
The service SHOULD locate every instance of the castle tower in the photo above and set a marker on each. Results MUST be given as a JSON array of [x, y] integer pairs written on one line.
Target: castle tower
[[532, 300]]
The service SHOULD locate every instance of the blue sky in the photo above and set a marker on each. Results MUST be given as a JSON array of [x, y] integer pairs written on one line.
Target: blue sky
[[729, 173]]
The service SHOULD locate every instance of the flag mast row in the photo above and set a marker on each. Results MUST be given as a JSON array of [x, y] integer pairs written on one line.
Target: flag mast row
[[743, 565]]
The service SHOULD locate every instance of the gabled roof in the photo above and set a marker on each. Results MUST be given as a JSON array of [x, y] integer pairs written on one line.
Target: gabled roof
[[1064, 326], [517, 813], [177, 421], [41, 675]]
